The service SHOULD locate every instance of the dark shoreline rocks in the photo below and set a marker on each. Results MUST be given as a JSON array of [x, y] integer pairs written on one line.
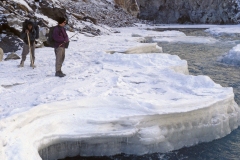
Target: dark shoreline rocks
[[189, 11]]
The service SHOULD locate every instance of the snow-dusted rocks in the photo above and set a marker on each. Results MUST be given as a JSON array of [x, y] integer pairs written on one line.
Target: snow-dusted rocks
[[83, 16], [188, 11], [130, 6], [10, 43], [109, 103], [101, 11]]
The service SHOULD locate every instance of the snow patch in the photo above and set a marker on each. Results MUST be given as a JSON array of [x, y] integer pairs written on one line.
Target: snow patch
[[22, 2]]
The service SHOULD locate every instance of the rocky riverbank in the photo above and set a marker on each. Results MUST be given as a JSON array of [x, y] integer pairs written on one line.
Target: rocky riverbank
[[188, 11], [91, 17]]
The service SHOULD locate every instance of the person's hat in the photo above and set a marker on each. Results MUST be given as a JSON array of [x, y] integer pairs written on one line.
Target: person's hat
[[30, 23], [61, 20]]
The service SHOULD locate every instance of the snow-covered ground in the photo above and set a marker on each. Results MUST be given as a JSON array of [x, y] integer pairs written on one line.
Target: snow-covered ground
[[109, 103]]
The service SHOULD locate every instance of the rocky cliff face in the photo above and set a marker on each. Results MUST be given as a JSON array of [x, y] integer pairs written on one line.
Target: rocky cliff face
[[190, 11], [88, 16], [130, 6]]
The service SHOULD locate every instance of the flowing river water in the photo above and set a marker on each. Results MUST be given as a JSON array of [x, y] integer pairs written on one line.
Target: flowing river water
[[202, 60]]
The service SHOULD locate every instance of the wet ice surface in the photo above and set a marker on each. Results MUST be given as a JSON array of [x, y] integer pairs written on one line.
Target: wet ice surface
[[204, 59]]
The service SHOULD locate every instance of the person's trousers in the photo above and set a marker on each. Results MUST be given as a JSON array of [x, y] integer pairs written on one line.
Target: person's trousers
[[25, 51], [60, 56]]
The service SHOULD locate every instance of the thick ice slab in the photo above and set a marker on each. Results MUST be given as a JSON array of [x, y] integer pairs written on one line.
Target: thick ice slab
[[186, 39], [224, 30], [232, 57], [108, 103]]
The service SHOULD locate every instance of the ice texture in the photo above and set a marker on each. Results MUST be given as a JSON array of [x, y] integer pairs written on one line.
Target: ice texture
[[232, 57], [109, 103]]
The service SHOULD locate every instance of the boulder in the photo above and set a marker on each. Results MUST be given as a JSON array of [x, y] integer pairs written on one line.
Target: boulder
[[10, 43], [130, 6], [12, 56]]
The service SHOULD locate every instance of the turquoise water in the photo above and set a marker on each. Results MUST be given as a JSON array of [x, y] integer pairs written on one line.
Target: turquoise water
[[202, 60]]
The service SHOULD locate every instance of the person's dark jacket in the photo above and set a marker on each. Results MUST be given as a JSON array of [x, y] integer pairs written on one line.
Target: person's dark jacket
[[60, 37], [32, 36]]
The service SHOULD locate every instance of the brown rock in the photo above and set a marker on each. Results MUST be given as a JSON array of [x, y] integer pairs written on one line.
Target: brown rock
[[130, 6]]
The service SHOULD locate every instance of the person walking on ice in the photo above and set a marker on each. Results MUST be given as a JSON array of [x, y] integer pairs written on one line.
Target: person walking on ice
[[61, 42], [28, 35]]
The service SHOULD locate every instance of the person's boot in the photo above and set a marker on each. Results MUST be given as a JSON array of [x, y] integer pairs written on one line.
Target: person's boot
[[59, 74], [32, 65], [21, 64], [63, 73]]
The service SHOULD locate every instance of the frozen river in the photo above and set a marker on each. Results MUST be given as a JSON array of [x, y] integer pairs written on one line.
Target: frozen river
[[203, 59], [138, 103]]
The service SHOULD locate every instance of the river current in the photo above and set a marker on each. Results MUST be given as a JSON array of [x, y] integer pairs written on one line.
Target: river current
[[203, 59]]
